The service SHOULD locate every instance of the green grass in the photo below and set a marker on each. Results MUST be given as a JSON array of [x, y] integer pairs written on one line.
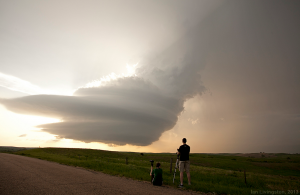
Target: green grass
[[218, 173]]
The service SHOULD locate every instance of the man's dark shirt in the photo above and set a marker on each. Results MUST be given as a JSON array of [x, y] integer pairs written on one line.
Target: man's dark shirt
[[184, 152], [157, 176]]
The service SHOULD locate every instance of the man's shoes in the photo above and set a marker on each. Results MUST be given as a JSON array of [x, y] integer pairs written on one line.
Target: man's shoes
[[180, 186]]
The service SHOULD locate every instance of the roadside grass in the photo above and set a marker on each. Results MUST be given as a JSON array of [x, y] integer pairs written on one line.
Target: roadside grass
[[215, 173]]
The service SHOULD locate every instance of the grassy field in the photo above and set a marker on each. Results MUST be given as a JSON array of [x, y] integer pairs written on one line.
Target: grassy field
[[215, 173]]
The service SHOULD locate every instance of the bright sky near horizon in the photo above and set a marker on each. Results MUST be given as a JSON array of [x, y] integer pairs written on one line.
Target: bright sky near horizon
[[140, 75]]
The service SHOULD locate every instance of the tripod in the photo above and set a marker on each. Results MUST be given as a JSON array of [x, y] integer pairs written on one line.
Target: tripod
[[151, 170], [176, 166]]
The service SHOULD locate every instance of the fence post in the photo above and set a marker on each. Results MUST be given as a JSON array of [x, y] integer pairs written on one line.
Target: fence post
[[171, 165]]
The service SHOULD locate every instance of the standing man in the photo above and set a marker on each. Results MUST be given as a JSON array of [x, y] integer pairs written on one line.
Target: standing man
[[184, 163]]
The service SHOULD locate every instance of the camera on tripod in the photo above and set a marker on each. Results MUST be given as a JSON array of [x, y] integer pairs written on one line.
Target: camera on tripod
[[152, 161]]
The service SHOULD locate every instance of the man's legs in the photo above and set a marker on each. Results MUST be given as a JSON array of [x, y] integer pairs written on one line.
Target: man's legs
[[181, 177], [187, 170], [189, 177], [181, 169]]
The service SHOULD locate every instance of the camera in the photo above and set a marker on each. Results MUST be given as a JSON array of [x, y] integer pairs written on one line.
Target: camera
[[151, 162]]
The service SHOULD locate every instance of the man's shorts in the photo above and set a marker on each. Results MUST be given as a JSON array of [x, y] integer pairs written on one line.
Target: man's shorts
[[184, 165]]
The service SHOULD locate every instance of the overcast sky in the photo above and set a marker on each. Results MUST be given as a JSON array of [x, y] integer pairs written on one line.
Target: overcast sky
[[141, 75]]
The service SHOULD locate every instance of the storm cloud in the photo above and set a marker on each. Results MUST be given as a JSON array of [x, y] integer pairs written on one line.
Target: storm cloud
[[132, 110], [126, 111]]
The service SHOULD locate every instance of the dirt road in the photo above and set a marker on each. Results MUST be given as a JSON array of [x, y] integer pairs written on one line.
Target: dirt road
[[24, 175]]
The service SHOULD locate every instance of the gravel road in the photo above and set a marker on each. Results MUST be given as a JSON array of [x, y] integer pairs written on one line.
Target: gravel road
[[24, 175]]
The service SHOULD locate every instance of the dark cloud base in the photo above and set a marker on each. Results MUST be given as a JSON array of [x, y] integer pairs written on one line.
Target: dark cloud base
[[112, 132]]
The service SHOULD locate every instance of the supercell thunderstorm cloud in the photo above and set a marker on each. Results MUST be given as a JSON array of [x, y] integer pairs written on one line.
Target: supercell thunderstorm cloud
[[132, 110], [129, 110]]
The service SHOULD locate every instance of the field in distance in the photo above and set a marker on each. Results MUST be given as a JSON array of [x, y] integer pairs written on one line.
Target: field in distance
[[215, 173]]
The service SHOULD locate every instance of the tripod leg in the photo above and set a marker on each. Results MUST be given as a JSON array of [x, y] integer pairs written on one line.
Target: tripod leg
[[175, 170], [151, 173]]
